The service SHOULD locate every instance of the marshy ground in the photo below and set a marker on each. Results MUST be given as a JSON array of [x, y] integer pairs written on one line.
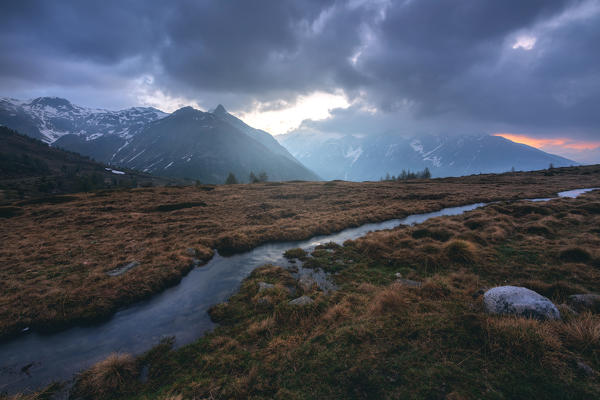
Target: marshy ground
[[375, 337]]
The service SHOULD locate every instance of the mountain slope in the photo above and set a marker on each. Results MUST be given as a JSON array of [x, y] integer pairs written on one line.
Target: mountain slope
[[257, 134], [199, 145], [371, 157], [31, 168]]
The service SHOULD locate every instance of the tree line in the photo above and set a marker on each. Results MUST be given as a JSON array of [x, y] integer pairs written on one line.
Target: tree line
[[407, 175], [252, 178]]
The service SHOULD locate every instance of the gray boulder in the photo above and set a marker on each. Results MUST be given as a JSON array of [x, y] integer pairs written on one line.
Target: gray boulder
[[585, 302], [301, 301], [264, 286], [520, 301]]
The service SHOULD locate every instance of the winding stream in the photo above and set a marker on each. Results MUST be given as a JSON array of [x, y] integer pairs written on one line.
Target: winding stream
[[34, 360]]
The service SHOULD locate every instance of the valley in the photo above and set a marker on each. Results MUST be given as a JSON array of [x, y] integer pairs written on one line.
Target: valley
[[363, 269], [298, 200]]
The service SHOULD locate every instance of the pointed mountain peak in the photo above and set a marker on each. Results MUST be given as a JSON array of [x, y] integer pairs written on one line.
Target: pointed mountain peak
[[219, 110]]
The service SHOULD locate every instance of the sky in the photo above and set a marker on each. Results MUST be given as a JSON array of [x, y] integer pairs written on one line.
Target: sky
[[526, 70]]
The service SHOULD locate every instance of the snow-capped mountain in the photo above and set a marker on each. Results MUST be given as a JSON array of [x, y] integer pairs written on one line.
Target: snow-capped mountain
[[370, 157], [208, 146], [187, 144], [50, 118]]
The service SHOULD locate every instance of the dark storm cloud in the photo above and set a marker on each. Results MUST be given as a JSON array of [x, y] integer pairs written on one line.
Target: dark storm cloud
[[259, 47], [449, 63]]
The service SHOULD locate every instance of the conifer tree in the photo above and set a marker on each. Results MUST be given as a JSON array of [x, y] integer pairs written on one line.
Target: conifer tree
[[231, 179]]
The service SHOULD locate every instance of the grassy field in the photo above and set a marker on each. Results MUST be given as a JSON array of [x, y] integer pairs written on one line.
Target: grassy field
[[377, 337], [56, 252]]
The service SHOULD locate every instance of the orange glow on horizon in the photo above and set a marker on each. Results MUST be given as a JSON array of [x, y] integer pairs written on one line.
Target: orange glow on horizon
[[540, 143]]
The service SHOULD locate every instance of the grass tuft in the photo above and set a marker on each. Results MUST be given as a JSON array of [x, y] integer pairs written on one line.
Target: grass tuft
[[460, 252], [108, 378], [390, 299], [583, 331]]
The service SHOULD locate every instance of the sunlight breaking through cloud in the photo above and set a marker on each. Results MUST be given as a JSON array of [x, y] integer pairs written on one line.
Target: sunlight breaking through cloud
[[315, 106]]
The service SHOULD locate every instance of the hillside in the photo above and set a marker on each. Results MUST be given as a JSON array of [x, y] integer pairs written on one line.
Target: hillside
[[198, 145], [30, 168], [371, 157]]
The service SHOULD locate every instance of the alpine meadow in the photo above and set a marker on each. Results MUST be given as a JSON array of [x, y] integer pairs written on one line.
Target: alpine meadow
[[277, 199]]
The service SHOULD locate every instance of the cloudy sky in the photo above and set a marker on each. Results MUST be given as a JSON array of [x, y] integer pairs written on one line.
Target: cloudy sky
[[529, 70]]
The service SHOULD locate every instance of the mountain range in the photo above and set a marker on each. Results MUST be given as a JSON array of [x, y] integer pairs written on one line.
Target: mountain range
[[188, 143], [207, 146], [371, 157]]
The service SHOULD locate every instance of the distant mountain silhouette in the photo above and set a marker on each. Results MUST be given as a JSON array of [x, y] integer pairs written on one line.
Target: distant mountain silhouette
[[370, 157]]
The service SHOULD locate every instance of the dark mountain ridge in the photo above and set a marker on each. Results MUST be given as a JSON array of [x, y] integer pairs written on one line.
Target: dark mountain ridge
[[30, 168]]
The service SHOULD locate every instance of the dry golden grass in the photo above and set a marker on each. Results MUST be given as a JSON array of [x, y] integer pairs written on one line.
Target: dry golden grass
[[378, 338], [391, 299], [461, 252], [521, 336], [582, 331], [107, 378], [54, 257]]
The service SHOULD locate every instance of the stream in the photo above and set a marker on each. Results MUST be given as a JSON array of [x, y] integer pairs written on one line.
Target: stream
[[34, 360]]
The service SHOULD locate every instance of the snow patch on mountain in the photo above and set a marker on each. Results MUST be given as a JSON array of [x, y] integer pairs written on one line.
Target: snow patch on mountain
[[353, 154], [417, 146]]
